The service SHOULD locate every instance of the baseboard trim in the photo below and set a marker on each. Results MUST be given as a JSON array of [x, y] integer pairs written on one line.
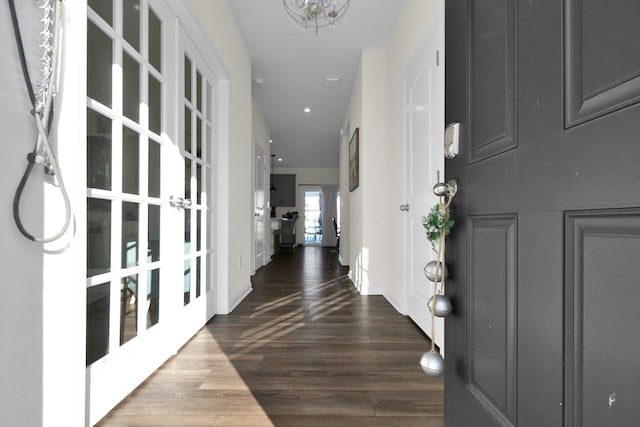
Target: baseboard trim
[[394, 303], [233, 304]]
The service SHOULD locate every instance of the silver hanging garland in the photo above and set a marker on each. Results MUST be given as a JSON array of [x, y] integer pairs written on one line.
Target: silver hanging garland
[[442, 306], [437, 225], [433, 271], [432, 363]]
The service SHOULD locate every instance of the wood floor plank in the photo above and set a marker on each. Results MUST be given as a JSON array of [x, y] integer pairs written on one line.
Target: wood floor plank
[[303, 349]]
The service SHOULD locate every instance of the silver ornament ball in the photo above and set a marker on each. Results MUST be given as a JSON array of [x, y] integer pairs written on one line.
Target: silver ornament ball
[[432, 364], [433, 271], [442, 306], [440, 189]]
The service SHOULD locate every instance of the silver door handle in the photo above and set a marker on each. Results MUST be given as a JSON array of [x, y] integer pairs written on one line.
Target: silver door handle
[[405, 207], [179, 202]]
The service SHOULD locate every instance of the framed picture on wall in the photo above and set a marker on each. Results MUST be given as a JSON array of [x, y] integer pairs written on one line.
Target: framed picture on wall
[[354, 160]]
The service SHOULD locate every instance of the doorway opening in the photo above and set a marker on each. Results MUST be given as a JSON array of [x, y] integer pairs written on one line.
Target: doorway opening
[[313, 217]]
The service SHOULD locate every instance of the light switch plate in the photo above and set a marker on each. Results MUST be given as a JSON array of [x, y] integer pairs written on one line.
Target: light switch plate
[[451, 138]]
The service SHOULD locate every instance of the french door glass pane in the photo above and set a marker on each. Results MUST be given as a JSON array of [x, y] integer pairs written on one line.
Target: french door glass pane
[[187, 231], [208, 144], [209, 96], [153, 297], [98, 236], [153, 239], [199, 183], [187, 129], [97, 322], [198, 230], [130, 224], [99, 60], [198, 273], [155, 41], [131, 87], [131, 19], [130, 161], [128, 308], [199, 91], [187, 78], [199, 137], [104, 8], [98, 151], [187, 178], [155, 105], [187, 281], [154, 169]]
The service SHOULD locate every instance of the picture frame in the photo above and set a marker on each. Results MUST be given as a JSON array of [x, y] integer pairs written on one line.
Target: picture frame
[[354, 160]]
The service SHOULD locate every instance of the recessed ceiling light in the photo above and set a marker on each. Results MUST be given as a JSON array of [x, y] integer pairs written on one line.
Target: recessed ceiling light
[[307, 110], [332, 81], [270, 141], [280, 159]]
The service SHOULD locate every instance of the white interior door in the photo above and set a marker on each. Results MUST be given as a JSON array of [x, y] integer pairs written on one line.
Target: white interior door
[[149, 250], [424, 139], [259, 207], [197, 95]]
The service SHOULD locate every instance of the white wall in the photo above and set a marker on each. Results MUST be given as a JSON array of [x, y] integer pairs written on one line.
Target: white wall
[[21, 325], [351, 214], [375, 232], [374, 254], [42, 292], [345, 196], [368, 204], [216, 19]]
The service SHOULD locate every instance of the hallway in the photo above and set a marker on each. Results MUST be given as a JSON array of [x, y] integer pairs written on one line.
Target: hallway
[[303, 349]]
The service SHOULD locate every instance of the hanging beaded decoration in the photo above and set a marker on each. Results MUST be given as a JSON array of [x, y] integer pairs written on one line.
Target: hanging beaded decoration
[[437, 225]]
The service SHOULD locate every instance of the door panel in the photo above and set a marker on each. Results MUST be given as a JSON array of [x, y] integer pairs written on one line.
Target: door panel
[[542, 275], [492, 338], [197, 147], [127, 221], [602, 276], [493, 78], [602, 72]]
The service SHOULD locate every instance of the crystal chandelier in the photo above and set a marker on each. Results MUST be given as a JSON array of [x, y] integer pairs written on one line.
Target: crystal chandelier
[[314, 16]]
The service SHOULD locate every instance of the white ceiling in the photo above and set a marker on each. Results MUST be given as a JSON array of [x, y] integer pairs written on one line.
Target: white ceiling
[[294, 65]]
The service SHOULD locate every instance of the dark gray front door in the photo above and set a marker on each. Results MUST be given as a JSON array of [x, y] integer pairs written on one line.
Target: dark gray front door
[[544, 258]]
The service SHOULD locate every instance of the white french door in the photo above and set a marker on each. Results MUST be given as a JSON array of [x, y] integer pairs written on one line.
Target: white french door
[[197, 103], [424, 156], [149, 282]]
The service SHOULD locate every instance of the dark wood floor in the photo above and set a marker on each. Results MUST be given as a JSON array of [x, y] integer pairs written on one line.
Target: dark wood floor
[[303, 349]]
